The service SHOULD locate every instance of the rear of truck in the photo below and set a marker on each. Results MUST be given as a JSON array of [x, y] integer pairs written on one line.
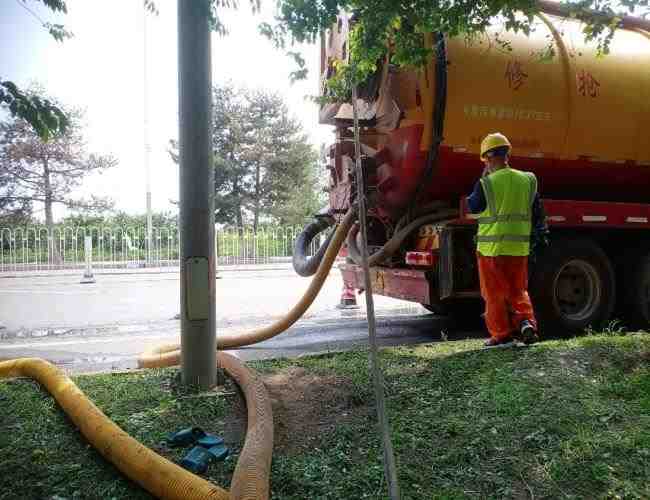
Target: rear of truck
[[420, 134]]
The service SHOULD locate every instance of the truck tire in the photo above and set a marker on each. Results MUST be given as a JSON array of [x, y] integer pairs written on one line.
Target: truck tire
[[634, 289], [572, 287]]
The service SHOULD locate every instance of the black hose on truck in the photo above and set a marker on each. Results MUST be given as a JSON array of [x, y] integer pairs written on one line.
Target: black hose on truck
[[303, 264]]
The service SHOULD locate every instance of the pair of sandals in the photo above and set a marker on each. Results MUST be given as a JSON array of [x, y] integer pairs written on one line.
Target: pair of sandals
[[207, 448]]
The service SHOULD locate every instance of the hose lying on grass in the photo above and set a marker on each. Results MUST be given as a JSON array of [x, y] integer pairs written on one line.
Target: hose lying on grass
[[156, 474]]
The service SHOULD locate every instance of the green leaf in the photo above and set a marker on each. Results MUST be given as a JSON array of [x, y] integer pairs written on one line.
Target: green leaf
[[45, 117]]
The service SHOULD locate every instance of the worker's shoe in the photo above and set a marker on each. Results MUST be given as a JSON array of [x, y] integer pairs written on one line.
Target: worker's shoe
[[527, 332]]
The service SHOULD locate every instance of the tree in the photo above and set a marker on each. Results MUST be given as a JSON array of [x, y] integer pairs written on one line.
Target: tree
[[262, 158], [120, 219], [396, 28], [46, 172], [41, 113], [304, 201]]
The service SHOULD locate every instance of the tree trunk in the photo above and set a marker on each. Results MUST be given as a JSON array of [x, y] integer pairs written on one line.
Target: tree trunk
[[240, 219], [256, 214], [240, 231], [238, 212], [49, 218]]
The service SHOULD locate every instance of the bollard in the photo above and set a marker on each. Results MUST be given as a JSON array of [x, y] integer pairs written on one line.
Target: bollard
[[88, 250]]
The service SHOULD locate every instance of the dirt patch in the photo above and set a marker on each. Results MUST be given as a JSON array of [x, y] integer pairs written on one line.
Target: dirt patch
[[306, 406], [635, 360], [585, 361]]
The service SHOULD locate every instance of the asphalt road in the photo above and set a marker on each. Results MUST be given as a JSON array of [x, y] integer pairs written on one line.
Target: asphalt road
[[103, 326]]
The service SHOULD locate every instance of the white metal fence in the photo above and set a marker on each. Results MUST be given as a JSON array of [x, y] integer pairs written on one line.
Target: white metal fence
[[33, 249]]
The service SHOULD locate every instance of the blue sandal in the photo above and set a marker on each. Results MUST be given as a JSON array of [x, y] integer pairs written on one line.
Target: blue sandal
[[193, 435], [185, 437], [198, 458]]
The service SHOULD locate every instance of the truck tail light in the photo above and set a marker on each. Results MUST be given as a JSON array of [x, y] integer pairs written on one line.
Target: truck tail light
[[424, 259]]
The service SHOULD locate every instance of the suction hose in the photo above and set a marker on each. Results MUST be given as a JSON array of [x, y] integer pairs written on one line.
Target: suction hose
[[396, 241], [171, 355], [304, 265], [156, 474]]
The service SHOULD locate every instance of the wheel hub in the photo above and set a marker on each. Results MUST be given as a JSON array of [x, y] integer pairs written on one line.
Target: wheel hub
[[577, 290]]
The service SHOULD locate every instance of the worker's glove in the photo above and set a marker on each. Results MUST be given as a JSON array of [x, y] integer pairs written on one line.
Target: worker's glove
[[538, 242]]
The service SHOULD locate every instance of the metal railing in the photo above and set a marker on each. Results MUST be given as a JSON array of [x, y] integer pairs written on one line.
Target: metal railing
[[124, 249]]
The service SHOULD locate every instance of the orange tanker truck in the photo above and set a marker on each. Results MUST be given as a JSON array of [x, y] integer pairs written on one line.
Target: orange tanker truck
[[579, 121]]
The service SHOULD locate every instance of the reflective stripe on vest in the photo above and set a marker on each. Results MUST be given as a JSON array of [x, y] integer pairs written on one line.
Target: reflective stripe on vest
[[505, 224], [503, 237], [504, 218]]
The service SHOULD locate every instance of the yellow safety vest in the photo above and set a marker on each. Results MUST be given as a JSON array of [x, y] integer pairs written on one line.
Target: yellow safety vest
[[505, 225]]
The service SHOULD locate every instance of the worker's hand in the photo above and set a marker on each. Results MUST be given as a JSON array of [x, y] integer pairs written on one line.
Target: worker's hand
[[544, 242]]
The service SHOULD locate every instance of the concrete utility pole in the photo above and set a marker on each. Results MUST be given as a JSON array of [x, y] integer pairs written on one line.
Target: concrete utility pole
[[198, 327]]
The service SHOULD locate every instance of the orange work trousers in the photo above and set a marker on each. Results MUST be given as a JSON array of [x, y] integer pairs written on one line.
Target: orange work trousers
[[504, 287]]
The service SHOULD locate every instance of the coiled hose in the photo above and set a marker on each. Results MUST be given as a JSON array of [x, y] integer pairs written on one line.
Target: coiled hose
[[307, 266], [153, 472]]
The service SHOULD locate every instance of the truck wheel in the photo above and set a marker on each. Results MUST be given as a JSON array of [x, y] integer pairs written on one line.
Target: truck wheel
[[634, 290], [572, 287]]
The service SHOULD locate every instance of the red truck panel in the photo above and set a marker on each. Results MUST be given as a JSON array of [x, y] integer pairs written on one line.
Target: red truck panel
[[406, 284]]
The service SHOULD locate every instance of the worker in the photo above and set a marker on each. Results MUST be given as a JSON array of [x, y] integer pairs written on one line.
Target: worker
[[510, 215]]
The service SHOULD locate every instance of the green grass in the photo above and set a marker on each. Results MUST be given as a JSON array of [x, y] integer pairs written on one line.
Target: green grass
[[563, 419]]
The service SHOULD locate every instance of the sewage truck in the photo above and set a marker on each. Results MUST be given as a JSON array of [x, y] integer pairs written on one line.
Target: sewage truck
[[578, 120]]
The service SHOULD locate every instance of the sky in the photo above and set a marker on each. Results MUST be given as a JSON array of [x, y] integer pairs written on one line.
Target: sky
[[101, 70]]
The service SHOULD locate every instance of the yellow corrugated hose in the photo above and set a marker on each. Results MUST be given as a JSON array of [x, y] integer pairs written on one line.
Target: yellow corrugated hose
[[156, 474], [170, 355]]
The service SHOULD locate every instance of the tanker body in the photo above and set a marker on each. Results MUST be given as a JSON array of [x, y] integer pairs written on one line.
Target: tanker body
[[578, 121]]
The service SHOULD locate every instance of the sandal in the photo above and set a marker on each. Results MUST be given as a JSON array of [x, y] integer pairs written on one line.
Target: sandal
[[193, 435], [198, 458]]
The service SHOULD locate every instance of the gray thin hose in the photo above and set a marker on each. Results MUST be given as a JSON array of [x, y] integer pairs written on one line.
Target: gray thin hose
[[396, 241]]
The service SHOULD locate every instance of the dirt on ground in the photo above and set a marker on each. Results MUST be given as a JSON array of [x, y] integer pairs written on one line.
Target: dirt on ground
[[305, 406], [584, 361]]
